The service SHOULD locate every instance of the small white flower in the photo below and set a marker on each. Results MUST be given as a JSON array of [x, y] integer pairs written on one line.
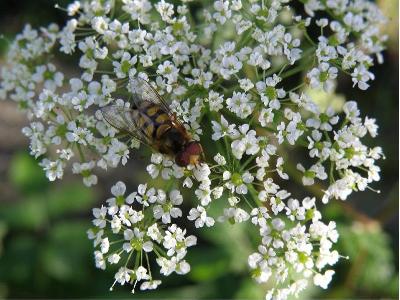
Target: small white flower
[[279, 168], [143, 196], [323, 76], [150, 285], [159, 164], [323, 280], [248, 143], [222, 129], [240, 104], [215, 101], [123, 275], [199, 215], [223, 12], [114, 258], [372, 128], [166, 209], [219, 159], [360, 76], [204, 195], [234, 215], [104, 245], [236, 182]]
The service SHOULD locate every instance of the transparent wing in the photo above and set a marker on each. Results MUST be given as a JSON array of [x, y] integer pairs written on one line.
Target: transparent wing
[[143, 92], [125, 120]]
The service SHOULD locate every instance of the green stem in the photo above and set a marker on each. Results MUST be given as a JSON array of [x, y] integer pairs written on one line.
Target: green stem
[[81, 155]]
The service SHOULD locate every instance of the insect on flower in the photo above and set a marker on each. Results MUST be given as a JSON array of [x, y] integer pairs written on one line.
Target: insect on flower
[[152, 123]]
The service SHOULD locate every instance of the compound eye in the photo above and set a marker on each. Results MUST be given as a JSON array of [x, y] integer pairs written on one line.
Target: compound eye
[[182, 159], [194, 148]]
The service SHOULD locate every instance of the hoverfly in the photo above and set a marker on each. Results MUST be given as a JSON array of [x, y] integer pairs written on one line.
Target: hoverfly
[[152, 123]]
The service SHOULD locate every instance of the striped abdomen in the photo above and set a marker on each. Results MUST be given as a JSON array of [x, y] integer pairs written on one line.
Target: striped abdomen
[[157, 125], [153, 120]]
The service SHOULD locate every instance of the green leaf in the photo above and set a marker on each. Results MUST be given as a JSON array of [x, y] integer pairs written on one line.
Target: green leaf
[[204, 290], [19, 261], [66, 251], [249, 289], [369, 250], [3, 232], [69, 198], [25, 174], [28, 214], [207, 267], [233, 239]]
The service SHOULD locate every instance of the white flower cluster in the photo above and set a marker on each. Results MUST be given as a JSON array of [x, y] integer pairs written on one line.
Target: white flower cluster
[[295, 249], [227, 68], [123, 233]]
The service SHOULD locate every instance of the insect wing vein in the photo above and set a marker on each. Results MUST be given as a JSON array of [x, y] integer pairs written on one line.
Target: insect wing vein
[[143, 92], [125, 120]]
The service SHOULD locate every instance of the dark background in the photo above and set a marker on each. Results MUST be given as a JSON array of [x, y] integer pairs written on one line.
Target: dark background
[[44, 251]]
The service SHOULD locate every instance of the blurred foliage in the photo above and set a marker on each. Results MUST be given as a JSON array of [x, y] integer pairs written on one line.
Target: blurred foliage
[[44, 252], [372, 261]]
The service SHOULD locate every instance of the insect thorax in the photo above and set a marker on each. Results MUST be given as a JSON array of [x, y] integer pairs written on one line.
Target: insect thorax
[[173, 141], [159, 128]]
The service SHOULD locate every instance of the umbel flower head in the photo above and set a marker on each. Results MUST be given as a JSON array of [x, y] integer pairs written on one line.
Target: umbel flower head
[[230, 74], [123, 233]]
